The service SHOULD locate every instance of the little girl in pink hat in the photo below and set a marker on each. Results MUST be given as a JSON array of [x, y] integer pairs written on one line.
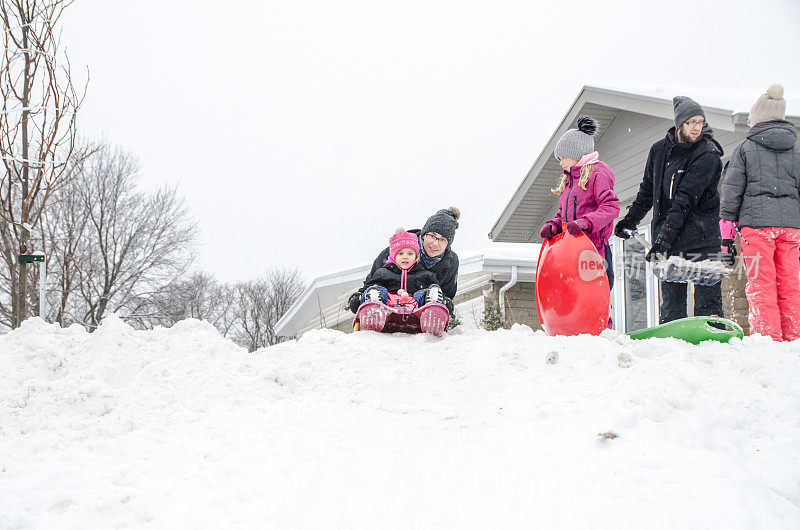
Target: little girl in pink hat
[[402, 274]]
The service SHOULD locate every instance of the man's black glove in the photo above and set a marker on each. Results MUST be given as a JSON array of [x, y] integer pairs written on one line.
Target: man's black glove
[[355, 302], [666, 237], [728, 254], [623, 225]]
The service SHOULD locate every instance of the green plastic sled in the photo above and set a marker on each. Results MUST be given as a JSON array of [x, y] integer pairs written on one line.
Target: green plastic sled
[[692, 329]]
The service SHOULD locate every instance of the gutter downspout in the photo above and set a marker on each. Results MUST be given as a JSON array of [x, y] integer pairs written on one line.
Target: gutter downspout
[[502, 293]]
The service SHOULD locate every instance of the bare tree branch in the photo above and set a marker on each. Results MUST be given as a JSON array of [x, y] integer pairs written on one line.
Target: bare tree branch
[[134, 241], [261, 303], [37, 129]]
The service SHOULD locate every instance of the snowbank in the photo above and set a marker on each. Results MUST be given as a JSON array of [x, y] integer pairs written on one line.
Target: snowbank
[[180, 428]]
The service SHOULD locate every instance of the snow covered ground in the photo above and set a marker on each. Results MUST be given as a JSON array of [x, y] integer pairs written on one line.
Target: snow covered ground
[[179, 428]]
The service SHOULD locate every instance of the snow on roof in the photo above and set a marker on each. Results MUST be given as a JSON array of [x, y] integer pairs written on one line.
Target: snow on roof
[[736, 100], [524, 253]]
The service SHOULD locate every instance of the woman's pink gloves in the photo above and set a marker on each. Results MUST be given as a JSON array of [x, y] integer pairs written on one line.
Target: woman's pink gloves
[[727, 229]]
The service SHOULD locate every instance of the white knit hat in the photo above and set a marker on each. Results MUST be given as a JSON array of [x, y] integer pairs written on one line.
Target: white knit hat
[[769, 106]]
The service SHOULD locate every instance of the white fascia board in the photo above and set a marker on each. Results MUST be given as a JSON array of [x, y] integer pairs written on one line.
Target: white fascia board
[[740, 119], [735, 100], [499, 268], [650, 105], [470, 266], [342, 279], [510, 262], [717, 118], [319, 301], [525, 273]]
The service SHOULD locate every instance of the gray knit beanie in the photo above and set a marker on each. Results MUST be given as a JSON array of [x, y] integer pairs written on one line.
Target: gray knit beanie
[[685, 108], [443, 222], [575, 143], [769, 106]]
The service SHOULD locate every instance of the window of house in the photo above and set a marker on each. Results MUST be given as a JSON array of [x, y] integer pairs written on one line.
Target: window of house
[[635, 294]]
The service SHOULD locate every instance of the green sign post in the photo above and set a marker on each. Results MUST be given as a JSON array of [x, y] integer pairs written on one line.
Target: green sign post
[[31, 258], [38, 257]]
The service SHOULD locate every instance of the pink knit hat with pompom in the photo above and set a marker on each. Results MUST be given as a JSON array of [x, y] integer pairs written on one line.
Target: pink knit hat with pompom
[[400, 240]]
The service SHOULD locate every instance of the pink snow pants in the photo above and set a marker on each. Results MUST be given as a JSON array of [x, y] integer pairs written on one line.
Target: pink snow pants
[[772, 261]]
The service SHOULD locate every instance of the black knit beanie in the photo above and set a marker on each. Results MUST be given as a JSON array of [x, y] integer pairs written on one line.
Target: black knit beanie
[[443, 222]]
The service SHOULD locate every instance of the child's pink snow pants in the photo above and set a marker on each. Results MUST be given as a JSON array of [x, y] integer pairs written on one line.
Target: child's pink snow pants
[[772, 261]]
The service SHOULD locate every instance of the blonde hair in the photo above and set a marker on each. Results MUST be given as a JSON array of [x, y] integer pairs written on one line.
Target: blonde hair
[[586, 172]]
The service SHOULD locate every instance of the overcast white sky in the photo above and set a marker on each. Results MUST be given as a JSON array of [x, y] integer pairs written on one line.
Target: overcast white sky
[[303, 132]]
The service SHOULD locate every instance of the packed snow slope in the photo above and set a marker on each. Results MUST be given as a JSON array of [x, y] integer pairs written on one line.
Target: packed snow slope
[[180, 428]]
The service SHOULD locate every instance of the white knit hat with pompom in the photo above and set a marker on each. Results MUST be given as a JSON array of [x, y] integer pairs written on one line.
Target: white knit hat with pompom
[[769, 106]]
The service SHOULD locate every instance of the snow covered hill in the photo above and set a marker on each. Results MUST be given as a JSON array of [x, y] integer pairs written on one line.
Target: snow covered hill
[[180, 428]]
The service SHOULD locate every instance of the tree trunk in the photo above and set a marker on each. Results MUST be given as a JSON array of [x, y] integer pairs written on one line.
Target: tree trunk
[[101, 309], [22, 278], [22, 291]]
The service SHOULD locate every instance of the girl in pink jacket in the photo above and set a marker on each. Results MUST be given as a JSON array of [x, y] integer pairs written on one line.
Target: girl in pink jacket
[[586, 198]]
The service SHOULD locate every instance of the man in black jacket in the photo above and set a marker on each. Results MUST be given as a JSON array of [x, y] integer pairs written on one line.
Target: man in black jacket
[[680, 184], [437, 256]]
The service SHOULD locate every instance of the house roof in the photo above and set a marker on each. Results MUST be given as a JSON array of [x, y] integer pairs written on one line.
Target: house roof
[[324, 299], [319, 296], [532, 202], [737, 101]]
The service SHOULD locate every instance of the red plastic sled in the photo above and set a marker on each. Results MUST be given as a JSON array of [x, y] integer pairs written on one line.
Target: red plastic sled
[[572, 292], [402, 315]]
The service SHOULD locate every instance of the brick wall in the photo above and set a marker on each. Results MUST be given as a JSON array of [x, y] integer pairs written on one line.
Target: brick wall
[[734, 300]]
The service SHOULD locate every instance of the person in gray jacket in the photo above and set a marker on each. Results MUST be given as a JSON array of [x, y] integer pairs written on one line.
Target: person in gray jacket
[[761, 192]]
